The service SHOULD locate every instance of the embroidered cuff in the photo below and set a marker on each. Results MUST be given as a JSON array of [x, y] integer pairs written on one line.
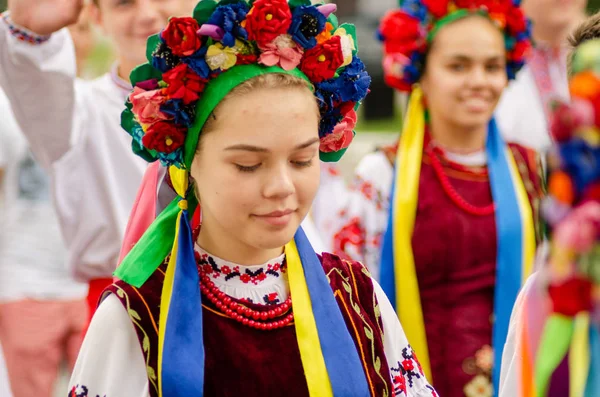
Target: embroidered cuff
[[21, 33]]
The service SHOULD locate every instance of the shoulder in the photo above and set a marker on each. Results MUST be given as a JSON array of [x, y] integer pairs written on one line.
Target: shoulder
[[373, 163], [332, 262], [526, 156]]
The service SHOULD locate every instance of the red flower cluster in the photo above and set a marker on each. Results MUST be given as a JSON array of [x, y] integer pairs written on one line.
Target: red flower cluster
[[402, 32], [321, 62], [180, 35], [266, 20], [183, 84]]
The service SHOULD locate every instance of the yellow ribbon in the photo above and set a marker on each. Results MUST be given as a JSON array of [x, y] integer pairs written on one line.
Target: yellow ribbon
[[408, 170], [579, 355], [309, 345]]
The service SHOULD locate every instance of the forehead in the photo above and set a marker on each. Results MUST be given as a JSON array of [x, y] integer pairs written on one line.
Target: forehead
[[266, 117], [472, 37]]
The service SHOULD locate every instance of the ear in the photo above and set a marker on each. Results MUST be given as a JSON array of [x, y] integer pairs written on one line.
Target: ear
[[96, 16]]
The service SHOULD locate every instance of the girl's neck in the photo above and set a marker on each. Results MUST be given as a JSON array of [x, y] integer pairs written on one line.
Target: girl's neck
[[234, 251], [459, 140]]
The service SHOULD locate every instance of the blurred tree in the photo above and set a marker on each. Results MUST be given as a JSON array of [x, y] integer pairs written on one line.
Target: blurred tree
[[2, 5]]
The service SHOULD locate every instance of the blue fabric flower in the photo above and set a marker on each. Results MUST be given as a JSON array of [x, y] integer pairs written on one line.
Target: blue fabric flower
[[325, 98], [182, 114], [197, 62], [328, 121], [163, 59], [229, 17], [581, 162], [416, 9], [307, 24], [352, 84]]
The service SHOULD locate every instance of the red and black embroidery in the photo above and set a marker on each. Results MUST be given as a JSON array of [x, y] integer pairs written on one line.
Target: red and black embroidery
[[406, 371], [79, 391], [211, 268], [271, 299]]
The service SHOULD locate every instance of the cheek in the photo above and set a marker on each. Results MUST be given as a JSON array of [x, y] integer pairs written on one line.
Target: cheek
[[308, 184]]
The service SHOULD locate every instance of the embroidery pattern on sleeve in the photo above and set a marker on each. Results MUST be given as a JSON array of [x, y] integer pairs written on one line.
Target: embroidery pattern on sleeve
[[23, 34], [407, 372]]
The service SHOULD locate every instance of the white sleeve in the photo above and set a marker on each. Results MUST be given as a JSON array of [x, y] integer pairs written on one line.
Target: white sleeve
[[363, 220], [512, 357], [405, 370], [40, 82], [110, 361]]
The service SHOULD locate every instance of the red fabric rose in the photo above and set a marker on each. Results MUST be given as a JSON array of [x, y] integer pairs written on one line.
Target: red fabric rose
[[515, 21], [571, 297], [321, 62], [401, 32], [267, 19], [164, 137], [183, 83], [438, 8], [180, 35], [520, 51]]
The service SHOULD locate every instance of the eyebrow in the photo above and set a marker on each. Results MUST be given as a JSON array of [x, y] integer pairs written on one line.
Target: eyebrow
[[463, 58], [257, 149]]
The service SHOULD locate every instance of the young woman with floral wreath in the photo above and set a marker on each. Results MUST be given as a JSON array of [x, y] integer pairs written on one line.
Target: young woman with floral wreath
[[458, 203], [241, 101]]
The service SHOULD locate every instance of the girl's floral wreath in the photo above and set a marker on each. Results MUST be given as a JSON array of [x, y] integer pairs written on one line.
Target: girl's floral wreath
[[190, 52], [407, 32]]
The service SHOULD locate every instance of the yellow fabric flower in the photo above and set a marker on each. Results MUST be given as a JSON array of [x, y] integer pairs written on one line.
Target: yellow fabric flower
[[348, 46], [220, 57]]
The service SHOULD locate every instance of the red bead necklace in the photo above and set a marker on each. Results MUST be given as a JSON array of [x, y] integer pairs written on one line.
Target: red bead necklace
[[454, 196], [245, 315]]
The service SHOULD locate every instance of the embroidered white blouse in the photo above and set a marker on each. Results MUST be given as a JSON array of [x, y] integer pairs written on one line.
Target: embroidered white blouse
[[110, 362]]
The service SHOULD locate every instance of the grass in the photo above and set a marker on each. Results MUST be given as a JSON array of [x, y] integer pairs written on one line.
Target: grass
[[388, 125]]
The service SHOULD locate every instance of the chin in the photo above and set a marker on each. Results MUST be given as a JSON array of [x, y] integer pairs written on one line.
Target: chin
[[271, 239]]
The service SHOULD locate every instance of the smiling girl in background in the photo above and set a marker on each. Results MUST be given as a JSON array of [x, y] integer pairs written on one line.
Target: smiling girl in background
[[458, 203]]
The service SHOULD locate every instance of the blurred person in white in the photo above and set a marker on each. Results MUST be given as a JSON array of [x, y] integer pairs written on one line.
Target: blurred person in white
[[94, 182], [43, 310], [523, 110]]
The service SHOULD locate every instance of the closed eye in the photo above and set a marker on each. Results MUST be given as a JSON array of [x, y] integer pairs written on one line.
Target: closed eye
[[244, 168]]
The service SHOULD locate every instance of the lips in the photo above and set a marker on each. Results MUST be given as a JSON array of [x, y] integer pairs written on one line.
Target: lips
[[278, 218]]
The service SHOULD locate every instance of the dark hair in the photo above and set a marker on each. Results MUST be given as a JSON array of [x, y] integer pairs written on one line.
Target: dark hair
[[587, 30]]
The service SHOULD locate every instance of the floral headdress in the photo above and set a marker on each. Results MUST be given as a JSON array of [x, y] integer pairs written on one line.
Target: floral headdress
[[192, 65], [407, 32], [569, 347], [169, 104]]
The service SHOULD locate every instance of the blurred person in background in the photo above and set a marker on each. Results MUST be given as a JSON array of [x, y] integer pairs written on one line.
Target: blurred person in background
[[94, 182], [447, 219], [523, 110], [42, 308]]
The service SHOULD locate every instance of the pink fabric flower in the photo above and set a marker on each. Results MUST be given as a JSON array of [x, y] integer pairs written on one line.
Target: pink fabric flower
[[580, 229], [342, 134], [146, 105], [282, 51]]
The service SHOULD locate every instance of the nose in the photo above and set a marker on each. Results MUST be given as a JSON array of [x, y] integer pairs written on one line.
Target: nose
[[478, 77], [279, 183]]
